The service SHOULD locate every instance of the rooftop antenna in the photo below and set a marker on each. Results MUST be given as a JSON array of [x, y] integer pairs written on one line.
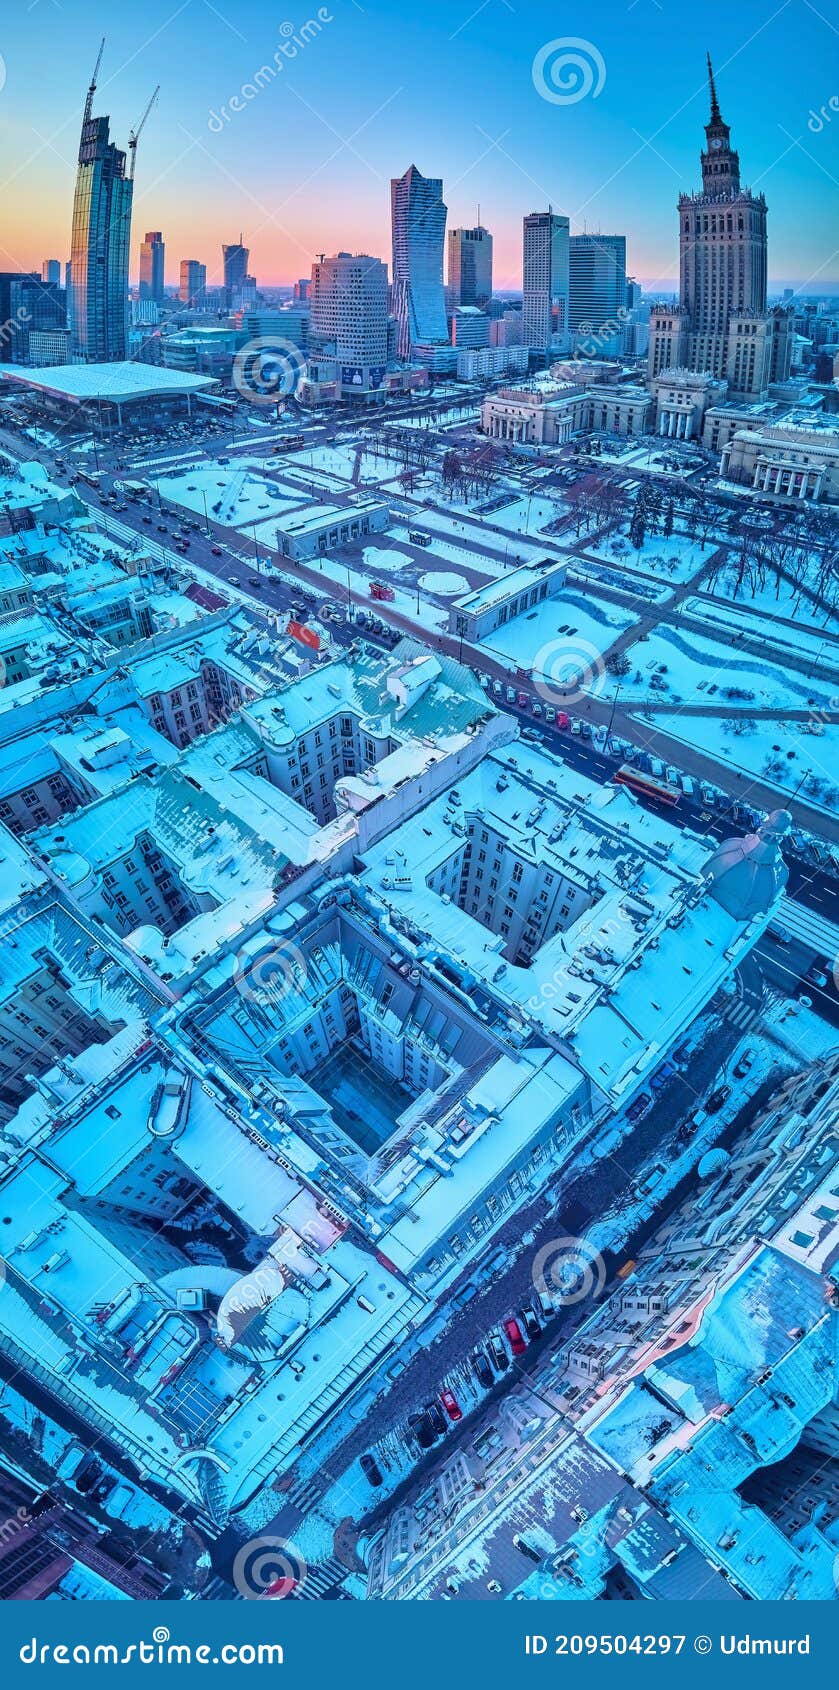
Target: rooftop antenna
[[88, 106], [136, 133]]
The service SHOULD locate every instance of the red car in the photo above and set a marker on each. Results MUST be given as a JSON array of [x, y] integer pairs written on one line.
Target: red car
[[451, 1405], [563, 720], [515, 1337]]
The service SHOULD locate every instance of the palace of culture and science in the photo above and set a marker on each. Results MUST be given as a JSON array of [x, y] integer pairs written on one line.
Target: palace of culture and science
[[721, 326]]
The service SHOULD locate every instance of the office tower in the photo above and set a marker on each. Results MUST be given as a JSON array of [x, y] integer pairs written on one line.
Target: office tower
[[51, 271], [470, 266], [721, 325], [545, 280], [301, 289], [100, 238], [418, 221], [348, 318], [193, 283], [235, 257], [152, 257], [470, 327], [597, 288], [28, 306]]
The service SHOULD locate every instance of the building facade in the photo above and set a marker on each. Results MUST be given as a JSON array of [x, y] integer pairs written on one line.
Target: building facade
[[545, 276], [152, 259], [470, 266], [192, 286], [100, 239], [597, 289], [348, 318], [721, 325], [418, 223]]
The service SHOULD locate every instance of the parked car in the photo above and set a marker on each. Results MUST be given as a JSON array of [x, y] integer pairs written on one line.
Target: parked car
[[422, 1429], [714, 1103], [545, 1301], [746, 1061], [498, 1352], [451, 1405], [663, 1075], [529, 1322], [437, 1417], [515, 1337], [639, 1107], [682, 1053], [818, 971], [483, 1369], [371, 1469]]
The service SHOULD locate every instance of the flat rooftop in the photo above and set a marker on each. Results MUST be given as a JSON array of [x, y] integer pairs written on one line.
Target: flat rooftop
[[78, 383]]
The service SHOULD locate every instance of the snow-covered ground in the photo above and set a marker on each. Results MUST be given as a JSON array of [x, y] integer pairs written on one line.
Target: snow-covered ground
[[446, 584], [690, 668], [677, 558], [567, 628], [806, 638], [234, 496], [785, 754]]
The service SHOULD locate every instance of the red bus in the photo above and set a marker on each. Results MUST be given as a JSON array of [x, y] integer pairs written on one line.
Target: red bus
[[647, 786]]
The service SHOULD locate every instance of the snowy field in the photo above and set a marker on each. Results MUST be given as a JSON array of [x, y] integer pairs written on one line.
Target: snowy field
[[566, 626], [677, 558], [234, 496], [784, 754], [813, 643], [688, 668]]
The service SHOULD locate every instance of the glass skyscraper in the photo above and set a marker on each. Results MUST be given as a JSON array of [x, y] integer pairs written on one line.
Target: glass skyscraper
[[418, 219], [99, 244]]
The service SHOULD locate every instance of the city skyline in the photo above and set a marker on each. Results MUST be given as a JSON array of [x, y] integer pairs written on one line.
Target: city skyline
[[208, 168]]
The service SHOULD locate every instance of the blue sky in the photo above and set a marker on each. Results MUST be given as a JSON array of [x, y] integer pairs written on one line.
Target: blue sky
[[305, 165]]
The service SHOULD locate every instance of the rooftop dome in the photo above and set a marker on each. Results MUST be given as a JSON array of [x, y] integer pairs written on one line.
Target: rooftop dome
[[747, 874]]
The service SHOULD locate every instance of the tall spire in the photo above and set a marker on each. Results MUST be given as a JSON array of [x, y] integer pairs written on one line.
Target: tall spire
[[715, 109]]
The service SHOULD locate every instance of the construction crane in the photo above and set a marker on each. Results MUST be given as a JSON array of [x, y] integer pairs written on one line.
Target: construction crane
[[92, 89], [136, 133]]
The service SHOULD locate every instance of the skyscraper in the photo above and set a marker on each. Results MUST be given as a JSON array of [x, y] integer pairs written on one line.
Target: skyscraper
[[597, 289], [193, 282], [28, 306], [470, 266], [100, 240], [235, 258], [152, 258], [721, 325], [348, 318], [51, 271], [418, 220], [545, 280]]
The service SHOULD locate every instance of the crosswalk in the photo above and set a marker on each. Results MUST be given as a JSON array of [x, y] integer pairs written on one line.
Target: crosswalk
[[321, 1581]]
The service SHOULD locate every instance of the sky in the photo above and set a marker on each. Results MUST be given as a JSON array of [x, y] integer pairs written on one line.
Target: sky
[[465, 90]]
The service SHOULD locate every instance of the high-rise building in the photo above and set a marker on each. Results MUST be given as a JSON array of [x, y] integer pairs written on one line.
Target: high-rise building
[[545, 280], [418, 220], [100, 241], [27, 305], [470, 266], [301, 289], [235, 258], [51, 271], [348, 320], [152, 258], [470, 327], [193, 283], [721, 325], [597, 288]]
